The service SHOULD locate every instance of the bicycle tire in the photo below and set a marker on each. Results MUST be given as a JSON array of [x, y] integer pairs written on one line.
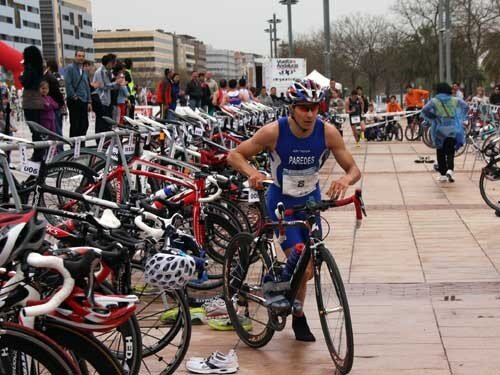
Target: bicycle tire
[[128, 338], [218, 233], [412, 134], [89, 157], [324, 257], [37, 346], [398, 134], [492, 169], [236, 270], [427, 137], [86, 349], [150, 347], [57, 173], [237, 212]]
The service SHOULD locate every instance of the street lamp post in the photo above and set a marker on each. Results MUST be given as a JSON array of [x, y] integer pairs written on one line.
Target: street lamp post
[[328, 47], [270, 31], [289, 4], [273, 22]]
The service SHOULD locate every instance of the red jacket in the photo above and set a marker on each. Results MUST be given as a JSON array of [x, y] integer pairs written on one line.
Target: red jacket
[[163, 92]]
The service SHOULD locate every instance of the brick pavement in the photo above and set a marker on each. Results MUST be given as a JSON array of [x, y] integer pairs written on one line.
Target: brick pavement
[[422, 276]]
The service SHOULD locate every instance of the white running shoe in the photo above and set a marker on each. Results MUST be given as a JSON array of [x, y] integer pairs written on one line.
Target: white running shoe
[[442, 178], [217, 363], [450, 176]]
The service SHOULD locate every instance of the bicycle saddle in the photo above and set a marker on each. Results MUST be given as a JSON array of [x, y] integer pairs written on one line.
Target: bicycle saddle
[[108, 220], [40, 129]]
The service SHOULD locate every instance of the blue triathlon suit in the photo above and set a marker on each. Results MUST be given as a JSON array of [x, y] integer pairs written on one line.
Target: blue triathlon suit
[[295, 165]]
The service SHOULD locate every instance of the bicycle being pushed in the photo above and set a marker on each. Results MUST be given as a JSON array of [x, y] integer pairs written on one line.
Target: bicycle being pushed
[[252, 260]]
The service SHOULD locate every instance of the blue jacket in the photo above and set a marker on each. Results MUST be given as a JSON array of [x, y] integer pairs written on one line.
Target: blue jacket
[[446, 115], [76, 85]]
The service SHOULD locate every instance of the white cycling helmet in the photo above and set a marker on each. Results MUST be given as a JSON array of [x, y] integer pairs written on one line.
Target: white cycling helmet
[[170, 271], [305, 91]]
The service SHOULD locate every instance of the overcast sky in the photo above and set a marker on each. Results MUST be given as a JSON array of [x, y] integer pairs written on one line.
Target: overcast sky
[[227, 24]]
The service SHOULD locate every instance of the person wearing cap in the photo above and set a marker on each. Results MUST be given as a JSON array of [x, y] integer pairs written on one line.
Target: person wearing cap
[[298, 146]]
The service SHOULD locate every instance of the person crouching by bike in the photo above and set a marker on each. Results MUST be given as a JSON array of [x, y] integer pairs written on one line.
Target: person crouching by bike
[[354, 106], [446, 115], [298, 146]]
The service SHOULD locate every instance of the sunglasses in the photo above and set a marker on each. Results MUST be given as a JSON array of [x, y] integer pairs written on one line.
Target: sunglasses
[[307, 108]]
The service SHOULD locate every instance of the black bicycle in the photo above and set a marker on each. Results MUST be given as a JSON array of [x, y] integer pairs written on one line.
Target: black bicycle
[[250, 259]]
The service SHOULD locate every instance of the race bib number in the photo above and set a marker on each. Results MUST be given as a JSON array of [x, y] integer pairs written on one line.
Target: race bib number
[[298, 183], [51, 153], [128, 149], [253, 195], [78, 145], [198, 132], [30, 167], [27, 166], [355, 120]]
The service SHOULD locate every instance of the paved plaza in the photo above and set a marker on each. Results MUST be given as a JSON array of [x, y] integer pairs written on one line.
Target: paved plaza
[[422, 276]]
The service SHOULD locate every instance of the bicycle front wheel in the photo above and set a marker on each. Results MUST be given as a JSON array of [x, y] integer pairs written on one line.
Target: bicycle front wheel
[[489, 184], [333, 311]]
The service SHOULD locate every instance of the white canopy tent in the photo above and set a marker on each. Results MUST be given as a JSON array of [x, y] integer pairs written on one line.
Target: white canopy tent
[[322, 80]]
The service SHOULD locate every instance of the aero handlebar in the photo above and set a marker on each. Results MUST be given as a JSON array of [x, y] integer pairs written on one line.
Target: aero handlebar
[[41, 261]]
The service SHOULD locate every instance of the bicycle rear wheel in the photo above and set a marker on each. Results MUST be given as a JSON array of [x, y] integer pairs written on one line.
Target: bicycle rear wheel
[[244, 269], [412, 133], [333, 309], [489, 184]]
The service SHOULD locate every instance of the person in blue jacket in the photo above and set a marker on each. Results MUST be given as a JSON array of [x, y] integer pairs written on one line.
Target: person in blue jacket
[[446, 114]]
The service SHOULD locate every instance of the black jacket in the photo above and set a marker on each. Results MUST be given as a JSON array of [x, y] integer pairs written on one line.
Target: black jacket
[[495, 99], [193, 89]]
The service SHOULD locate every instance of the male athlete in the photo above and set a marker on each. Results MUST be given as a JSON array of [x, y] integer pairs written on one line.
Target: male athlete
[[298, 146]]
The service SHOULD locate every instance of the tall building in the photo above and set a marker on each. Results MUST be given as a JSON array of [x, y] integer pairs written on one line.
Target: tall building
[[20, 23], [223, 63], [231, 64], [151, 51], [66, 27], [193, 51]]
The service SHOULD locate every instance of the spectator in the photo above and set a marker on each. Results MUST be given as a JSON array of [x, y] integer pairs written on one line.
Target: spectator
[[219, 97], [50, 106], [132, 89], [264, 98], [122, 99], [245, 94], [214, 87], [149, 97], [194, 91], [56, 94], [329, 92], [175, 91], [274, 97], [446, 115], [480, 98], [495, 96], [456, 91], [78, 95], [336, 103], [103, 79], [393, 105], [164, 93], [233, 95], [33, 103], [205, 92]]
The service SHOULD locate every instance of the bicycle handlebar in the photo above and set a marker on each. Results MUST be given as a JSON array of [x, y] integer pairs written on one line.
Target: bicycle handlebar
[[313, 207], [49, 261], [156, 233], [216, 195]]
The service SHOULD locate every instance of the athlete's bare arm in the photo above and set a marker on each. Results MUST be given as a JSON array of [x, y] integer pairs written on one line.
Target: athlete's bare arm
[[265, 139], [336, 145]]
